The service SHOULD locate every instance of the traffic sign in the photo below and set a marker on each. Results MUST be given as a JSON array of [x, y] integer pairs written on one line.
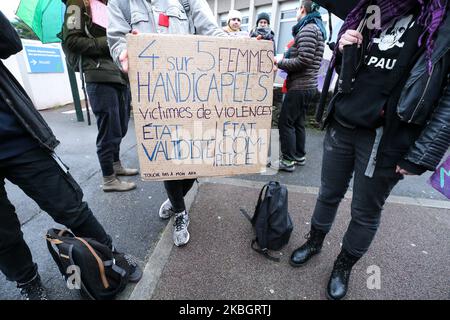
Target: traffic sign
[[43, 59]]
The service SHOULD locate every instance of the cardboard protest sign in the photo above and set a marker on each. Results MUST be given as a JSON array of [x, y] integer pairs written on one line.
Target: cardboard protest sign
[[440, 180], [202, 105]]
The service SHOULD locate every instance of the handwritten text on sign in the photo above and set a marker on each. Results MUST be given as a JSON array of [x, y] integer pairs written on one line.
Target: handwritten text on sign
[[202, 105]]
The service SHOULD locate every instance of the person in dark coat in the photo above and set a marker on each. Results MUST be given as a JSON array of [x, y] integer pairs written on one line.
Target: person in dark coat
[[28, 160]]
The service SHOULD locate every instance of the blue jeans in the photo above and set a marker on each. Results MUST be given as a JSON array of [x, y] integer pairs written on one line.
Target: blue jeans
[[347, 152], [111, 106]]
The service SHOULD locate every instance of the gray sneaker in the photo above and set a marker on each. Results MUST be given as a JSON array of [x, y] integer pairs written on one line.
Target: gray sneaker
[[166, 211], [285, 165], [181, 233]]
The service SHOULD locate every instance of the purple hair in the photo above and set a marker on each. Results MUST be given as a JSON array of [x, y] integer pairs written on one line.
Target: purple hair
[[431, 17]]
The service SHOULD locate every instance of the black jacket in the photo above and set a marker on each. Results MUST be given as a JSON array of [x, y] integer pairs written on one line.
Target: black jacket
[[89, 41], [305, 59], [15, 96], [417, 125]]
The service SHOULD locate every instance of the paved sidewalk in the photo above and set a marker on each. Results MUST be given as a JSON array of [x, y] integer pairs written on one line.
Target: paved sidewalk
[[411, 249]]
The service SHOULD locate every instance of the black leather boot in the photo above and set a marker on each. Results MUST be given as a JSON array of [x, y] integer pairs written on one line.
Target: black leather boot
[[340, 276], [310, 248]]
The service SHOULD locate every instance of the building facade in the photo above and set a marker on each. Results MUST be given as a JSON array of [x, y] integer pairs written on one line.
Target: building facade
[[282, 14]]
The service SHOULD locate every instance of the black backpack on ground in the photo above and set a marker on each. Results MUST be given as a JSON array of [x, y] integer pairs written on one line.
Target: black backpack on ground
[[102, 273], [271, 220]]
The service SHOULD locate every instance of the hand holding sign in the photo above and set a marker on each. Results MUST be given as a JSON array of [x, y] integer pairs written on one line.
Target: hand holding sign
[[123, 57]]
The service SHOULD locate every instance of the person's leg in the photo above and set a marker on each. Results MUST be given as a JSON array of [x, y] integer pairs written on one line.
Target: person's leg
[[289, 113], [369, 196], [299, 125], [187, 185], [176, 191], [124, 118], [123, 110], [337, 170], [56, 192], [105, 101], [16, 262]]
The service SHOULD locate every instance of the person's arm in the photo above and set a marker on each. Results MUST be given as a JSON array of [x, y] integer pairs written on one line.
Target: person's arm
[[9, 39], [203, 19], [74, 36], [349, 38], [306, 43], [434, 141], [118, 28]]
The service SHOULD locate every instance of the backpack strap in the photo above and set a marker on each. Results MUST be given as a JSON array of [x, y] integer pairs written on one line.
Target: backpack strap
[[187, 8], [62, 250], [264, 252], [99, 262], [260, 199], [54, 253], [245, 214]]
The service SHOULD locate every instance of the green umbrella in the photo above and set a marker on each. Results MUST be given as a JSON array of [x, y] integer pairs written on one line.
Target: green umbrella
[[44, 17]]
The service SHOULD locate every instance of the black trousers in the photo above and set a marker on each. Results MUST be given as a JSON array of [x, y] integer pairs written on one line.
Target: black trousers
[[111, 106], [56, 192], [347, 151], [176, 191], [291, 123]]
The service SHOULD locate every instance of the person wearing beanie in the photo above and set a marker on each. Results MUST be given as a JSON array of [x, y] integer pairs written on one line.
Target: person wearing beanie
[[263, 29], [263, 20], [233, 27]]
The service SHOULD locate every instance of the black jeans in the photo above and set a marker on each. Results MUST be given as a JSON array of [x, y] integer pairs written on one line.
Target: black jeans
[[56, 192], [347, 151], [176, 191], [111, 106], [291, 123]]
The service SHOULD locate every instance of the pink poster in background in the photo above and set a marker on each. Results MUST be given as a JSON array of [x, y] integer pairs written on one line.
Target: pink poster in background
[[99, 13]]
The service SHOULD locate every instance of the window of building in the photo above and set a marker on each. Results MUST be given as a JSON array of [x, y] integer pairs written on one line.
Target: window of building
[[288, 18], [244, 23]]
